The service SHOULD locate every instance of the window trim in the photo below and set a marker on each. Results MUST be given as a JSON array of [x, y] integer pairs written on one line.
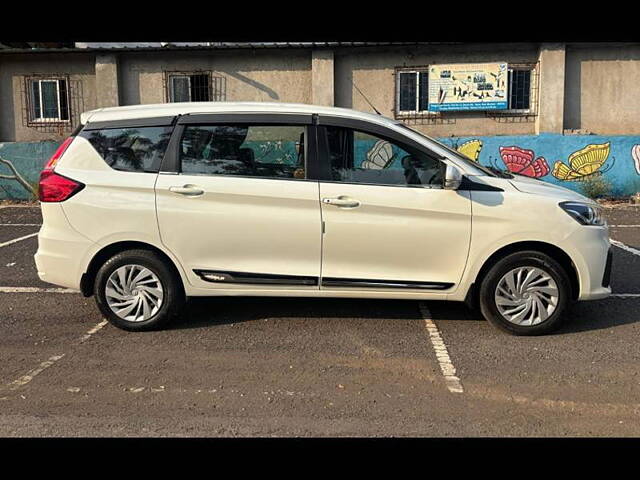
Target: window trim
[[32, 120]]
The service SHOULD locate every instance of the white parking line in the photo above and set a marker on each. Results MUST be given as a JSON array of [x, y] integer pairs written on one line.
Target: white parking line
[[446, 366], [22, 381], [25, 379], [15, 240], [624, 226], [20, 224], [625, 247], [36, 290]]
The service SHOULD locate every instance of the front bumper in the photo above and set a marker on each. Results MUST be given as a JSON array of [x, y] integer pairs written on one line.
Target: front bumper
[[590, 251]]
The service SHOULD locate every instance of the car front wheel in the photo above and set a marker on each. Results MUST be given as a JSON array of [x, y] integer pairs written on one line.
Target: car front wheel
[[525, 293]]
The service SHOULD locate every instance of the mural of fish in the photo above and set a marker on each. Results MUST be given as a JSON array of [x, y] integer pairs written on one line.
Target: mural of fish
[[583, 163], [521, 161]]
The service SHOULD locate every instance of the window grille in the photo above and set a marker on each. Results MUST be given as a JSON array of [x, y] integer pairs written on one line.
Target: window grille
[[51, 103], [194, 87]]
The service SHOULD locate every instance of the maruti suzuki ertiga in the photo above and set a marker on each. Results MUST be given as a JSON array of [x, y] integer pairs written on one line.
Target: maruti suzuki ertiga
[[145, 206]]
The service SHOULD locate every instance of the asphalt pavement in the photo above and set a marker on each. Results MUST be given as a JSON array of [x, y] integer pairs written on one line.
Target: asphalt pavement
[[312, 367]]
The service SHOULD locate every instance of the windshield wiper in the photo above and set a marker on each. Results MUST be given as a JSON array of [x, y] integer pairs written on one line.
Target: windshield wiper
[[500, 173]]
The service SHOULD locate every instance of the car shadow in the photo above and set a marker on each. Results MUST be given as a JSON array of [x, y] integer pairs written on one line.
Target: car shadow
[[601, 315], [201, 312]]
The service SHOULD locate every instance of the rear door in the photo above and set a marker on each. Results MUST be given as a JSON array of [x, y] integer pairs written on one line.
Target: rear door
[[234, 203], [389, 224]]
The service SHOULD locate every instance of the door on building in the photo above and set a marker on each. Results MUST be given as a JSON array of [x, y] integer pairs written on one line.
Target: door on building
[[234, 204], [388, 223]]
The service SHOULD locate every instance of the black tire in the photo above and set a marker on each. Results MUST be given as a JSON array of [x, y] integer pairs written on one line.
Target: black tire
[[173, 292], [531, 258]]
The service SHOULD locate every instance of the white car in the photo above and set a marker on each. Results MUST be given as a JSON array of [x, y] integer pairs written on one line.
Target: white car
[[145, 206]]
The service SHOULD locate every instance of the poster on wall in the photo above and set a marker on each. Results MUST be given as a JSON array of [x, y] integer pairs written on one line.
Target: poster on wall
[[473, 86]]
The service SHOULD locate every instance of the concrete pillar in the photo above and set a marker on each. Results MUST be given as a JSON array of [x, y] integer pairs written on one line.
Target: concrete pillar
[[107, 80], [551, 88], [322, 92]]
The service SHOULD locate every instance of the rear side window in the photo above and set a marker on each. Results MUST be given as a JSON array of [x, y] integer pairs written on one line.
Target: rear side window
[[137, 149], [273, 151]]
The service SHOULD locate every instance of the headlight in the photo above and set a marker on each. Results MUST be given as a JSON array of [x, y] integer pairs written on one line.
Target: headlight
[[584, 213]]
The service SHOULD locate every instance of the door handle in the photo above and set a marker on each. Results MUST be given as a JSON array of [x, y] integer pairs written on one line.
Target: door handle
[[188, 190], [342, 201]]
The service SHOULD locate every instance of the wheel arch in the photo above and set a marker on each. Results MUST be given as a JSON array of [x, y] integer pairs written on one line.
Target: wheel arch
[[553, 251], [88, 278]]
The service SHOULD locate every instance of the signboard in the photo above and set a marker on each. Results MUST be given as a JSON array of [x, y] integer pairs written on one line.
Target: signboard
[[474, 86]]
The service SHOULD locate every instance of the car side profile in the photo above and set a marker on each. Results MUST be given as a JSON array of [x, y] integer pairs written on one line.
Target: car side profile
[[146, 206]]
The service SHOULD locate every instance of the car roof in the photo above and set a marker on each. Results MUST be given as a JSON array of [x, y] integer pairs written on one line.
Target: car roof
[[183, 108]]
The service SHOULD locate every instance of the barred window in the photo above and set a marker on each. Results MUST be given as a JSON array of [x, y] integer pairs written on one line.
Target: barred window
[[519, 89], [190, 87], [48, 100], [412, 91]]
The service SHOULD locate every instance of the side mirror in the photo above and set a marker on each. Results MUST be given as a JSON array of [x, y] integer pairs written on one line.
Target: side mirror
[[452, 178]]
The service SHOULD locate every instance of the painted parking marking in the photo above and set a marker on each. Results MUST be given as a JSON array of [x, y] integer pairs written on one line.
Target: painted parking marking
[[20, 224], [22, 381], [37, 290], [621, 245], [624, 226], [26, 378], [19, 239], [446, 365]]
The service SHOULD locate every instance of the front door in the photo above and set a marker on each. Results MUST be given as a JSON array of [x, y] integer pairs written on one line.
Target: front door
[[239, 212], [388, 223]]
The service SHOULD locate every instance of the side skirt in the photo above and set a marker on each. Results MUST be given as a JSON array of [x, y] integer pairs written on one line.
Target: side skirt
[[216, 276], [367, 283]]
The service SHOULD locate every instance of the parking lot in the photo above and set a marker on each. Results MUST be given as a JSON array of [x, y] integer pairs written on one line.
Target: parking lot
[[313, 367]]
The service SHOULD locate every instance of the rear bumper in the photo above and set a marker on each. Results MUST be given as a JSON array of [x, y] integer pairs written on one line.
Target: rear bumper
[[60, 249]]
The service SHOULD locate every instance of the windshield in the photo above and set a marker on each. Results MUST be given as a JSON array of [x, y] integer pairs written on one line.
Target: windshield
[[454, 153]]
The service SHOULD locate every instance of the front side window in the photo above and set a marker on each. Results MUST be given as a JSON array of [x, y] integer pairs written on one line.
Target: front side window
[[130, 149], [273, 151], [360, 157], [49, 100]]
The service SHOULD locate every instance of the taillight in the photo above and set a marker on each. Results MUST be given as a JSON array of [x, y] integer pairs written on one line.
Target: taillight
[[58, 153], [56, 188]]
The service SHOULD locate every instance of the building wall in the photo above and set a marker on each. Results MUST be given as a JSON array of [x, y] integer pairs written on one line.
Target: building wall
[[601, 84], [372, 70], [599, 105], [80, 67], [262, 76]]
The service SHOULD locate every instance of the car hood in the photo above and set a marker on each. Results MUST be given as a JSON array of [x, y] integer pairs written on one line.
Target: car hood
[[538, 187]]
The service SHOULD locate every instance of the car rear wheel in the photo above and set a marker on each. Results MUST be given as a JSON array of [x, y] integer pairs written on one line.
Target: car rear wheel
[[525, 293], [136, 290]]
